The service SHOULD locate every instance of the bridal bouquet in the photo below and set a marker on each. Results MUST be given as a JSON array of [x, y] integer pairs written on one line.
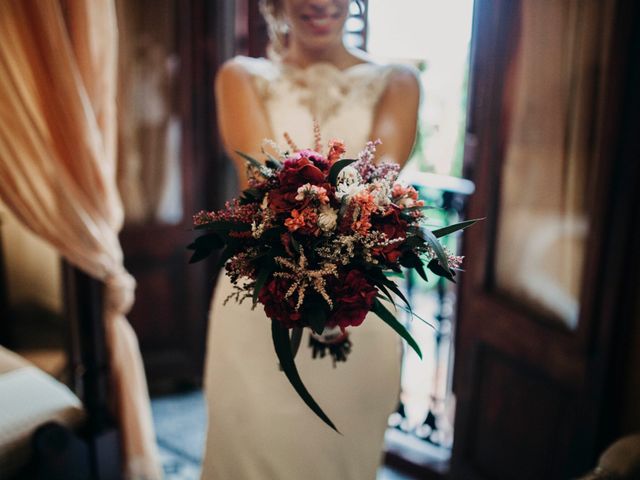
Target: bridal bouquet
[[315, 239]]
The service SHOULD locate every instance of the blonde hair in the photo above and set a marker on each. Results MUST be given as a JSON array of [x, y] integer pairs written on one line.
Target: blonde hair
[[277, 28]]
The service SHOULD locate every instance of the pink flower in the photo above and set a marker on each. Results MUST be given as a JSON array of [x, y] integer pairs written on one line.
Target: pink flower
[[336, 150], [312, 192]]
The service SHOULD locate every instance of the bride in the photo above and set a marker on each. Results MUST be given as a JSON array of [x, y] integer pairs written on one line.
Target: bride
[[258, 426]]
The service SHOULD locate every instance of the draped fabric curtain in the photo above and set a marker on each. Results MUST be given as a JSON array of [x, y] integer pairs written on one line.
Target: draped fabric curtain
[[57, 168]]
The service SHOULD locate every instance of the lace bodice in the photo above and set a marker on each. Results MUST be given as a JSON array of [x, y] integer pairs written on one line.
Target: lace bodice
[[343, 101]]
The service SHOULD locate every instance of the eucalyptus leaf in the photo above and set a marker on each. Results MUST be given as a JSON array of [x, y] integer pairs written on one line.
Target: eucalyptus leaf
[[421, 272], [225, 255], [263, 276], [413, 314], [273, 162], [388, 317], [435, 267], [204, 245], [395, 289], [251, 195], [411, 260], [441, 232], [295, 244], [385, 295], [394, 274], [198, 255], [282, 345], [381, 280], [251, 160], [438, 249], [413, 241], [296, 337], [317, 318]]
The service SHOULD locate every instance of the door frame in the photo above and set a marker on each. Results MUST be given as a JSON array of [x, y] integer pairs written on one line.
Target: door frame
[[579, 361]]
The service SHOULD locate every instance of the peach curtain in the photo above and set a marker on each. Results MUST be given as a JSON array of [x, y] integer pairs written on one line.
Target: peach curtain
[[57, 168]]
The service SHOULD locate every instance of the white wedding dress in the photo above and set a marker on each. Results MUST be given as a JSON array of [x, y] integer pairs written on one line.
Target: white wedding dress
[[259, 429]]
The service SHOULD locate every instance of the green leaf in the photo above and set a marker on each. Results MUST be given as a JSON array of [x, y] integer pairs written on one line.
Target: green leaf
[[394, 274], [204, 245], [317, 318], [199, 255], [380, 280], [263, 276], [413, 241], [282, 345], [251, 195], [295, 244], [336, 168], [387, 296], [273, 234], [225, 255], [395, 289], [251, 160], [441, 232], [296, 337], [433, 242], [387, 317], [414, 315], [421, 272], [272, 162], [411, 260], [435, 267]]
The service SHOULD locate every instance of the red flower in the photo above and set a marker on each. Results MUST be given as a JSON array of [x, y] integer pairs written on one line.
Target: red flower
[[276, 306], [318, 159], [296, 172], [393, 227], [353, 297]]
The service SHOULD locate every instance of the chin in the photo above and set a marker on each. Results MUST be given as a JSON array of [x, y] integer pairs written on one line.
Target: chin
[[319, 43]]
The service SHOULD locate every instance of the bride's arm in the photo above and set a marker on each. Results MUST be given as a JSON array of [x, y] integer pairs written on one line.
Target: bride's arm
[[242, 121], [396, 117]]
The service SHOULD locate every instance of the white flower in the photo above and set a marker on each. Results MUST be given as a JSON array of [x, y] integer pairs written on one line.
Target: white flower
[[348, 191], [406, 202], [349, 183], [304, 191], [349, 176], [327, 219], [265, 202], [381, 194]]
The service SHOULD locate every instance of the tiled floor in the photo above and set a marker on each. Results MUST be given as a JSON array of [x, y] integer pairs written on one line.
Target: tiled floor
[[180, 423]]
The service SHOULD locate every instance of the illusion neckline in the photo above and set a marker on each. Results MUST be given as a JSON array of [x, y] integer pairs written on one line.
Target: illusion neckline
[[322, 66], [326, 66]]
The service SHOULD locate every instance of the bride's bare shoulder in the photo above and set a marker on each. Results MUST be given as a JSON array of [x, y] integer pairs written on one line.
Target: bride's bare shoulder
[[236, 76], [399, 72], [242, 67]]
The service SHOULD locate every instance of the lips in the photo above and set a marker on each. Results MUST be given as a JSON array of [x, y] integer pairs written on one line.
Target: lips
[[320, 24]]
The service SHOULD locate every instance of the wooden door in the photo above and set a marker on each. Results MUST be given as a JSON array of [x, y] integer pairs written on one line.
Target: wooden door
[[171, 166], [546, 294]]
